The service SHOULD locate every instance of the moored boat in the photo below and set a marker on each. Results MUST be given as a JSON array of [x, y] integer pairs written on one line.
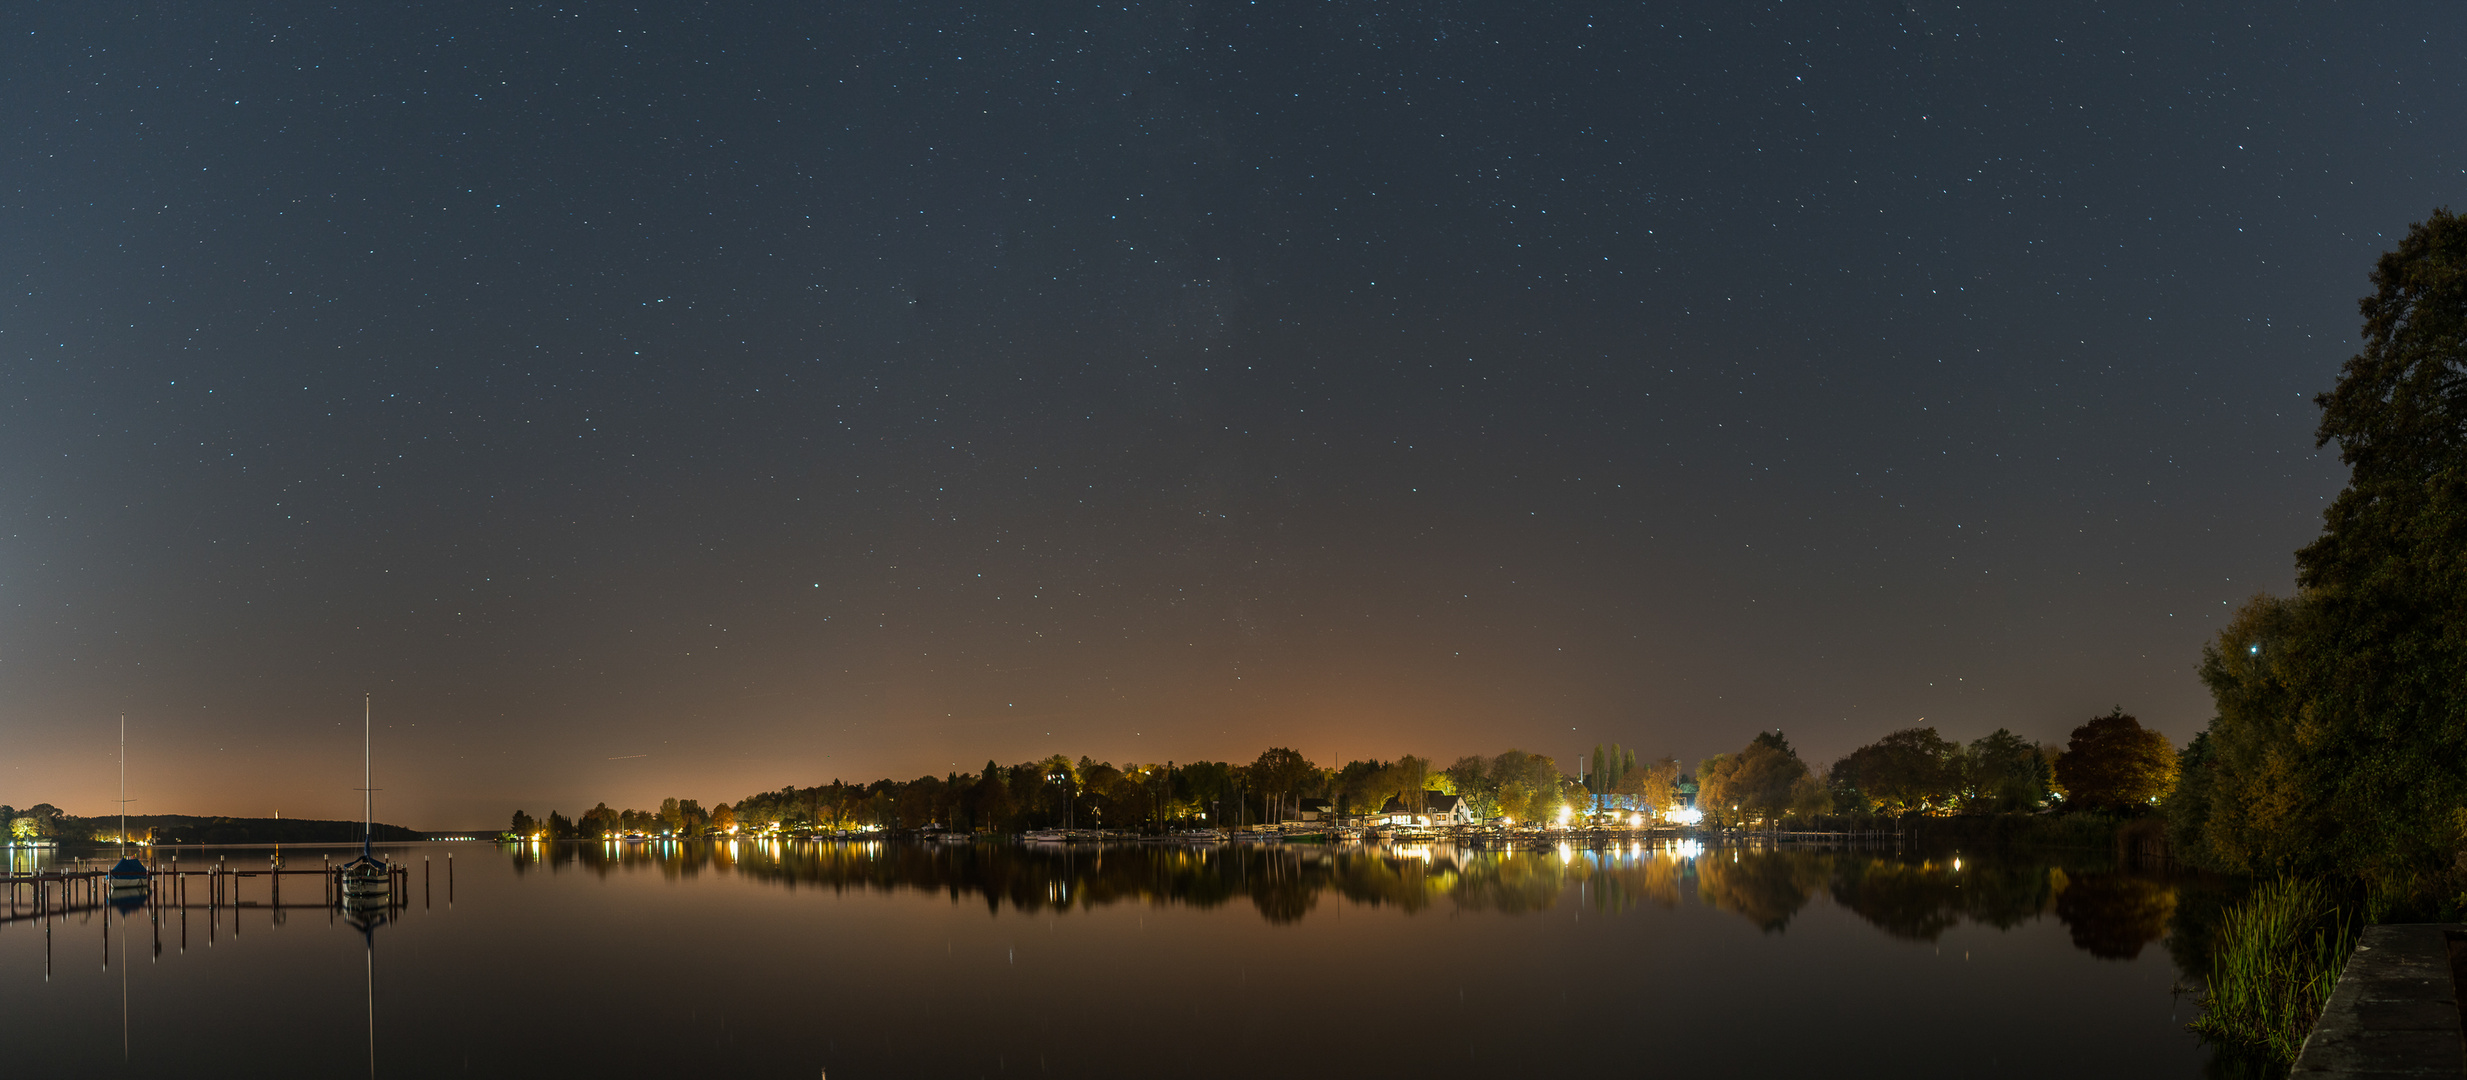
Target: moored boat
[[366, 878], [128, 875]]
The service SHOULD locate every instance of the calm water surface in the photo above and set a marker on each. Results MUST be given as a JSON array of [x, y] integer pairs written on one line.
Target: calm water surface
[[851, 960]]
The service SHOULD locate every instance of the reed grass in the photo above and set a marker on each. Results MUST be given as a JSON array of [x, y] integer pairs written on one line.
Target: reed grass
[[2275, 960]]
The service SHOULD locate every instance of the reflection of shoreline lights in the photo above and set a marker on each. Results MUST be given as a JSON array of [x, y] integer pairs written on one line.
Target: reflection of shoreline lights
[[1756, 882], [1687, 816]]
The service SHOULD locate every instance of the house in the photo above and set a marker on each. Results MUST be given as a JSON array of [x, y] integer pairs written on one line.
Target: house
[[1448, 810], [1315, 810], [1395, 812], [1437, 811]]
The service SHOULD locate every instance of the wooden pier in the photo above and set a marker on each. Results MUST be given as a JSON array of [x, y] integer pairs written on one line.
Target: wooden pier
[[45, 895], [50, 898]]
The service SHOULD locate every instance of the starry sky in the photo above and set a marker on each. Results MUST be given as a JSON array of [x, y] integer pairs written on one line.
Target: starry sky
[[696, 399]]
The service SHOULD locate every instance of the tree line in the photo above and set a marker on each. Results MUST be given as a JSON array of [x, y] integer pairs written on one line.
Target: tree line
[[1059, 792], [43, 821], [2110, 763]]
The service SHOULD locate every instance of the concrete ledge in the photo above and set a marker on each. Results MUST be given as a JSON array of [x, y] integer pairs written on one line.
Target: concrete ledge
[[2396, 1010]]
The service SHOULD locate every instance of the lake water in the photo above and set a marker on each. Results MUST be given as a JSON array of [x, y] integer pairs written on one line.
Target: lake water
[[861, 960]]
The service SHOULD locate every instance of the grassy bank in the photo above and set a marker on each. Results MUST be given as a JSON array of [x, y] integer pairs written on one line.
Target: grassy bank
[[2273, 964]]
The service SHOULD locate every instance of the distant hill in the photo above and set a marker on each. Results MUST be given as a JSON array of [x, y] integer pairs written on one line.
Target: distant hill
[[191, 829]]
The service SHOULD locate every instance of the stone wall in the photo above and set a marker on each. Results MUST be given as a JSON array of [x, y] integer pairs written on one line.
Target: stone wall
[[2396, 1011]]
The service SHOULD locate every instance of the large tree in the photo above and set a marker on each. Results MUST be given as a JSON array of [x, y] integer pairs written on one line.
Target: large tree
[[1528, 787], [1276, 775], [1472, 779], [2341, 725], [1759, 783], [1654, 787], [2388, 577], [2114, 763], [1913, 769], [2003, 773]]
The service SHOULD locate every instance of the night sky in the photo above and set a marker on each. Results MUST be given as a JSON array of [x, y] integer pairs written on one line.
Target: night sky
[[692, 400]]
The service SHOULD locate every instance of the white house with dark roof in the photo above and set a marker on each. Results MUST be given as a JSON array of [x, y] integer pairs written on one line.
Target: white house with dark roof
[[1438, 811]]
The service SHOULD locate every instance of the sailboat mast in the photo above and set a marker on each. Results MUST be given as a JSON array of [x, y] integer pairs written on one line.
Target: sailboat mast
[[124, 785], [368, 779]]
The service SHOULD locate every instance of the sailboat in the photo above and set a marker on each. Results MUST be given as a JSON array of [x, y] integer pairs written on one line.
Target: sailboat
[[367, 878], [128, 875]]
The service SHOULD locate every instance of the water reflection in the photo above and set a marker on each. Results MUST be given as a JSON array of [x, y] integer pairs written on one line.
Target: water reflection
[[864, 959], [2113, 915], [2110, 914], [55, 889]]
